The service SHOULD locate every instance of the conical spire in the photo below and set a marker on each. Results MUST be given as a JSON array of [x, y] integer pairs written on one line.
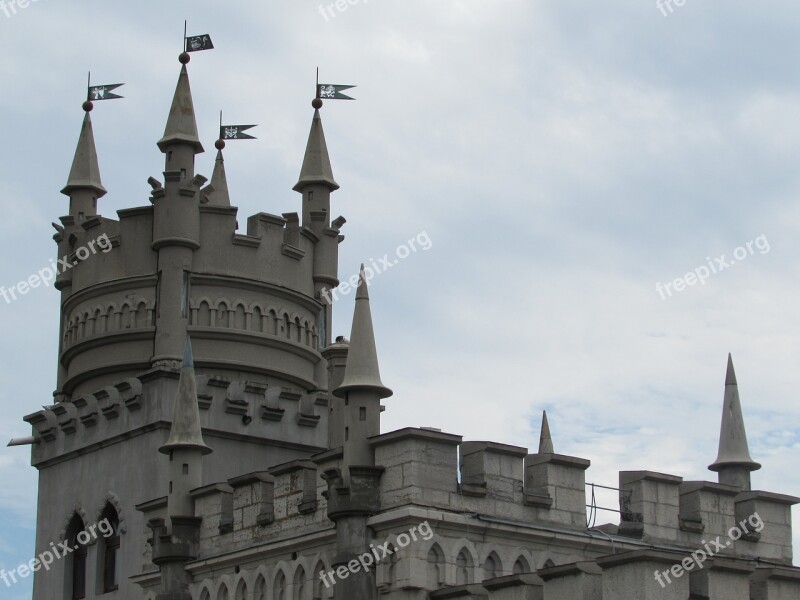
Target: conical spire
[[316, 162], [185, 431], [545, 439], [181, 123], [733, 449], [85, 172], [216, 192], [361, 370]]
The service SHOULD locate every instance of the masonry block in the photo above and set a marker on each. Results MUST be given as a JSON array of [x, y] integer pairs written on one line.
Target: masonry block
[[651, 499], [577, 581]]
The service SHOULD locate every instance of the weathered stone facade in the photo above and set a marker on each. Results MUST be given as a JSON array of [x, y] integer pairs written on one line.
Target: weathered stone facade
[[250, 464]]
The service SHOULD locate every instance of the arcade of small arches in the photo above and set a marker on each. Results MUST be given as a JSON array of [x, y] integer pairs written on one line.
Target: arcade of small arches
[[224, 314], [446, 563], [256, 318]]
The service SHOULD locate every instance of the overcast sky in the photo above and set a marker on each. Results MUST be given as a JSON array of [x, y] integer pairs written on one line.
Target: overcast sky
[[562, 157]]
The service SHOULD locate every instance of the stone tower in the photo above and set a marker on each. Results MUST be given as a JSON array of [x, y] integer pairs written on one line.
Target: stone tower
[[141, 284]]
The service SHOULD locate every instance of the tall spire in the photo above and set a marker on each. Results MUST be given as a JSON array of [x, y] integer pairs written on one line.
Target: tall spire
[[316, 162], [545, 439], [85, 172], [361, 371], [181, 124], [733, 459], [216, 192], [186, 432]]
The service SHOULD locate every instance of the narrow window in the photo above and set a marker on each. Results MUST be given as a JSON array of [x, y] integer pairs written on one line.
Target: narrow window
[[185, 469], [108, 552], [76, 561], [362, 414]]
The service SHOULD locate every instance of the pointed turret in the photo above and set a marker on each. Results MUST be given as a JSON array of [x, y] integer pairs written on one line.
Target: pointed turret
[[733, 460], [181, 123], [545, 439], [185, 445], [316, 162], [216, 192], [362, 371], [84, 186], [186, 432]]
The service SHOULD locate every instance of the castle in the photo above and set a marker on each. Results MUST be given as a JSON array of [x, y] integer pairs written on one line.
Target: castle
[[205, 412]]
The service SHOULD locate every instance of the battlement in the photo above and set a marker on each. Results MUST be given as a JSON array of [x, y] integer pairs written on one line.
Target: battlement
[[254, 291], [252, 519]]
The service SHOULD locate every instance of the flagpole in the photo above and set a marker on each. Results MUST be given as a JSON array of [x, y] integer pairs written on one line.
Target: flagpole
[[220, 143], [184, 35], [87, 105]]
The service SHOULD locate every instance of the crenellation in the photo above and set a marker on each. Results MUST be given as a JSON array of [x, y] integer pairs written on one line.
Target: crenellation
[[556, 485], [771, 514], [707, 505], [578, 581], [722, 579], [651, 499], [492, 468]]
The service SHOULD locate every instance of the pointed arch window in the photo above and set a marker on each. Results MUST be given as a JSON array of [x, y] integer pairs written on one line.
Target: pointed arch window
[[108, 554], [463, 568], [76, 560]]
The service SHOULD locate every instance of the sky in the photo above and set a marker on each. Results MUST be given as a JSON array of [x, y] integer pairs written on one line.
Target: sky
[[569, 170]]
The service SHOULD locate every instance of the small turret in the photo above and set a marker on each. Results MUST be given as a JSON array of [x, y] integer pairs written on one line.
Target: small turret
[[316, 183], [180, 141], [185, 445], [84, 186], [361, 386], [176, 221], [216, 192], [733, 463]]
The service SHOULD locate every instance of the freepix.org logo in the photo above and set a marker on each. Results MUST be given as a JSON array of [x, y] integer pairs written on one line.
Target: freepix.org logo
[[370, 559]]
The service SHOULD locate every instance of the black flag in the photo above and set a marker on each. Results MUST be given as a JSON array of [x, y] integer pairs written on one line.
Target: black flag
[[103, 92], [333, 92], [195, 43], [235, 132]]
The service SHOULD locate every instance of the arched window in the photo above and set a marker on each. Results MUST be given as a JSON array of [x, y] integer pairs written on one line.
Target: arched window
[[108, 551], [260, 590], [318, 584], [76, 560], [222, 594], [492, 567], [279, 589], [521, 566], [205, 595], [241, 591], [463, 568], [435, 576], [299, 584]]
